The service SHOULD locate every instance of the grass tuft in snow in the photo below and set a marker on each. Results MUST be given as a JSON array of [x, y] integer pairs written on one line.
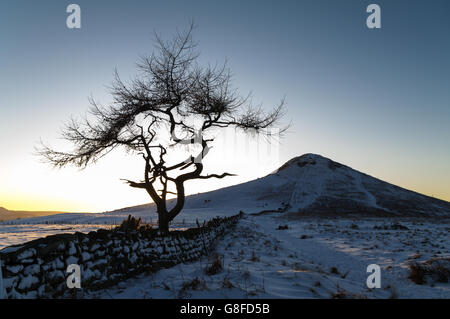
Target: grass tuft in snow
[[437, 269], [215, 267]]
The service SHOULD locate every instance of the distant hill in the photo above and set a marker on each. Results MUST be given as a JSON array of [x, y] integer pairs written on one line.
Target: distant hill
[[12, 214], [322, 186]]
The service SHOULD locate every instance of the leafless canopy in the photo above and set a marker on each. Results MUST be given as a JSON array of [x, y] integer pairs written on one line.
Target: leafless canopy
[[172, 96]]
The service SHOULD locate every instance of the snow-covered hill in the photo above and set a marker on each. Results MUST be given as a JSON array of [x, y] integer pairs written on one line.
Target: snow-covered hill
[[324, 186], [312, 184], [309, 184]]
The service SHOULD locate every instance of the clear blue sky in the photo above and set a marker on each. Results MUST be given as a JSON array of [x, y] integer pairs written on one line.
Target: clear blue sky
[[376, 100]]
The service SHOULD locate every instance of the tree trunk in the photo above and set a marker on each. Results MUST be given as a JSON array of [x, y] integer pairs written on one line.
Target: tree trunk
[[163, 221]]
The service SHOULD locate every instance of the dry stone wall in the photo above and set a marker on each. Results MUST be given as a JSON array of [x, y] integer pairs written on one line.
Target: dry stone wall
[[37, 269]]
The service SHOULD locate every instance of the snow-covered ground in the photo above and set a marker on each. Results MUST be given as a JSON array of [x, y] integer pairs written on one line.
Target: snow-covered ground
[[313, 258]]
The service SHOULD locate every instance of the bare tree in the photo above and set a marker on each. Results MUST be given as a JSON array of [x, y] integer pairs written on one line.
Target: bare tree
[[171, 96]]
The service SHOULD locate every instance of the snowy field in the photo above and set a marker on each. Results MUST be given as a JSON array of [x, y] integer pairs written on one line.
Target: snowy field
[[313, 258]]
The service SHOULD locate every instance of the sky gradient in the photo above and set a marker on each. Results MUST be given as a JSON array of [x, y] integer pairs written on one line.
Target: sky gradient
[[375, 100]]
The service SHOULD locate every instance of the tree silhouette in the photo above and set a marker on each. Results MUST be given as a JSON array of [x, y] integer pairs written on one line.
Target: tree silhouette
[[171, 96]]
